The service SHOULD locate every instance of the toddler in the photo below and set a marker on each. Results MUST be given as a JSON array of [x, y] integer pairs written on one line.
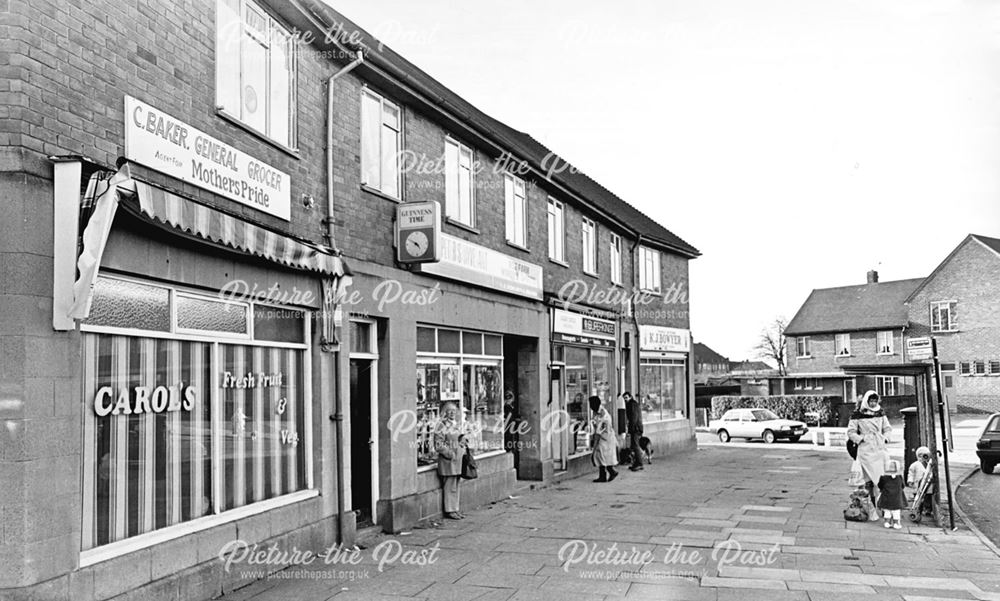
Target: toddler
[[891, 500]]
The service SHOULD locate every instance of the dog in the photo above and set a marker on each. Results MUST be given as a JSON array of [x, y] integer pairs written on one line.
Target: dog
[[646, 447]]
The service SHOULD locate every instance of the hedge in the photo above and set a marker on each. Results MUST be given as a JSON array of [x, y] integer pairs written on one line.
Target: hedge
[[785, 406]]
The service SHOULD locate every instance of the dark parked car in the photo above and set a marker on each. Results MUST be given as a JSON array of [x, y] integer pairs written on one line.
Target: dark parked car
[[988, 446]]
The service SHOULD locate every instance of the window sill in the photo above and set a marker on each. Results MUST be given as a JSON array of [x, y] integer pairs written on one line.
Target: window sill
[[649, 291], [380, 194], [459, 224], [558, 262], [804, 357], [292, 152], [518, 247], [591, 274], [156, 537], [884, 354], [944, 331], [847, 356]]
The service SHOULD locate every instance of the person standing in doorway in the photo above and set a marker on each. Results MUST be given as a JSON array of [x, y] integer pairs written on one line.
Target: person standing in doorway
[[633, 420], [605, 454], [511, 425], [450, 446]]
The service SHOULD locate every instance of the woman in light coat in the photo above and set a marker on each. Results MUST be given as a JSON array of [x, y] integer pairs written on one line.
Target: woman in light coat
[[605, 454], [449, 442], [869, 428]]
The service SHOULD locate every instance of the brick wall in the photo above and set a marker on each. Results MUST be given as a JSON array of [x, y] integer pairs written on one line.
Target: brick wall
[[75, 63], [825, 360], [972, 278], [364, 217]]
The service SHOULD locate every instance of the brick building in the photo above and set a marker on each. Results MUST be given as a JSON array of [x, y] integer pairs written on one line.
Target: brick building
[[959, 305], [217, 342], [869, 325]]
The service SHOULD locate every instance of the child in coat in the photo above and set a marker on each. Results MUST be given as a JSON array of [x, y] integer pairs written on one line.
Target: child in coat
[[891, 500]]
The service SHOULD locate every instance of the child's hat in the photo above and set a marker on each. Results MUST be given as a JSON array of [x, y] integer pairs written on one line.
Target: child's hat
[[923, 452]]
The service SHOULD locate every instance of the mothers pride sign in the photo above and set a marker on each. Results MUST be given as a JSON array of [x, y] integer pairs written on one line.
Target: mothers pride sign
[[158, 141]]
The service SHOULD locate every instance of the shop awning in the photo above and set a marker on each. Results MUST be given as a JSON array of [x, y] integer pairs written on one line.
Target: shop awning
[[195, 219], [107, 191]]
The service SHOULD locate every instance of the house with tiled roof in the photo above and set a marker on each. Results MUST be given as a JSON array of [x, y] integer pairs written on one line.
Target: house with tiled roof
[[868, 325], [846, 326]]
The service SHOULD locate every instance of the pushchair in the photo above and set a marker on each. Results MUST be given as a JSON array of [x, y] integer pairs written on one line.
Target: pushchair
[[916, 513]]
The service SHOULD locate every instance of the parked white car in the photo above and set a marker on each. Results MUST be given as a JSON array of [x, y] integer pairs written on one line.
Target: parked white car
[[756, 423]]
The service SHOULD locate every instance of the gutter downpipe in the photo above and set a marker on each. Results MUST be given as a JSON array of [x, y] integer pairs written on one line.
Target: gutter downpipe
[[338, 406], [635, 320]]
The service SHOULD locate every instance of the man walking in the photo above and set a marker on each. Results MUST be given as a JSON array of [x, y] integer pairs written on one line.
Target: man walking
[[633, 418]]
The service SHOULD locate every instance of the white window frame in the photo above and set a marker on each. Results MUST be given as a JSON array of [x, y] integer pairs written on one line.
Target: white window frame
[[802, 343], [588, 231], [798, 384], [950, 306], [516, 210], [458, 209], [227, 74], [155, 537], [883, 384], [650, 276], [557, 230], [616, 259], [390, 180], [842, 345], [884, 343]]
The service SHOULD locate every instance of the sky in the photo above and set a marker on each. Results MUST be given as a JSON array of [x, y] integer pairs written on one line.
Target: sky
[[796, 143]]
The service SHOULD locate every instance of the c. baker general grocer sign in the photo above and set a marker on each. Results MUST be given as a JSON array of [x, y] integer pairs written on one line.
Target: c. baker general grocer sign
[[158, 141]]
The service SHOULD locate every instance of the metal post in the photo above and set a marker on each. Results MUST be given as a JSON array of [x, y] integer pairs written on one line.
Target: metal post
[[944, 433]]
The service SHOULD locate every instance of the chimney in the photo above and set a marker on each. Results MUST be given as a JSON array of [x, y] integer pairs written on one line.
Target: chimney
[[873, 277]]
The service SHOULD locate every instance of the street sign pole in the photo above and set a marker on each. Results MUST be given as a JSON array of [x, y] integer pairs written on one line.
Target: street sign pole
[[944, 433]]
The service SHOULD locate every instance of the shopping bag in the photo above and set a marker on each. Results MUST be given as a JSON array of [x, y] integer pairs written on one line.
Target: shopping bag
[[857, 477], [470, 471]]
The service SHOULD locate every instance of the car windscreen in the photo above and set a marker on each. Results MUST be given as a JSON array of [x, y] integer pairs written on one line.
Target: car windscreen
[[994, 425], [763, 415]]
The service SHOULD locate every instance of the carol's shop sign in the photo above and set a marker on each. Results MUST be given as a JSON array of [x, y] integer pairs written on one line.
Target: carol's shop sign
[[144, 399], [158, 141]]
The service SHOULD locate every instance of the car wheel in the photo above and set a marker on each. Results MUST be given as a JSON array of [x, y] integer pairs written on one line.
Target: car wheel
[[795, 438], [768, 436], [986, 466], [723, 436]]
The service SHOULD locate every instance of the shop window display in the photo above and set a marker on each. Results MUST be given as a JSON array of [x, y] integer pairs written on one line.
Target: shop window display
[[185, 425], [662, 389], [463, 367]]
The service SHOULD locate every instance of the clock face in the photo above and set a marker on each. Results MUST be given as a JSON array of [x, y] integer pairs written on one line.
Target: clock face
[[416, 244]]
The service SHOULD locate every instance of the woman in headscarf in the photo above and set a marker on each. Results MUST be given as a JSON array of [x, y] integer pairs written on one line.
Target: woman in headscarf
[[869, 429], [605, 455]]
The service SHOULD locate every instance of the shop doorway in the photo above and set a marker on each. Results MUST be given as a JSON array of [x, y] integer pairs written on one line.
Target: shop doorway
[[559, 430], [364, 418]]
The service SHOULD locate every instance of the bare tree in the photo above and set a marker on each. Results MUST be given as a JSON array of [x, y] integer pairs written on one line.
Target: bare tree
[[771, 344]]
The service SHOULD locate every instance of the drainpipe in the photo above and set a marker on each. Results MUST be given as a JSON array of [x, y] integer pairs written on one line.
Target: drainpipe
[[338, 406], [635, 320]]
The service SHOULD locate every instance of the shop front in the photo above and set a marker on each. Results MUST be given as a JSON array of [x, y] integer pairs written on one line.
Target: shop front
[[200, 371], [583, 365], [457, 334], [664, 385]]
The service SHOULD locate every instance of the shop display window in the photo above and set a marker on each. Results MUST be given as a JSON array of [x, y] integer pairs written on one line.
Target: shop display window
[[466, 368], [662, 389], [194, 418], [589, 372]]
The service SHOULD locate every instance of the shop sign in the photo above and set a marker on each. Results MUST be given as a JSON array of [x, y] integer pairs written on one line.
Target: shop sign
[[919, 349], [159, 141], [659, 338], [418, 226], [144, 399], [575, 327], [474, 264]]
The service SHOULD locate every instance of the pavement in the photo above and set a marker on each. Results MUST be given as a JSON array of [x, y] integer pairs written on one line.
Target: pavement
[[979, 497], [721, 523]]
